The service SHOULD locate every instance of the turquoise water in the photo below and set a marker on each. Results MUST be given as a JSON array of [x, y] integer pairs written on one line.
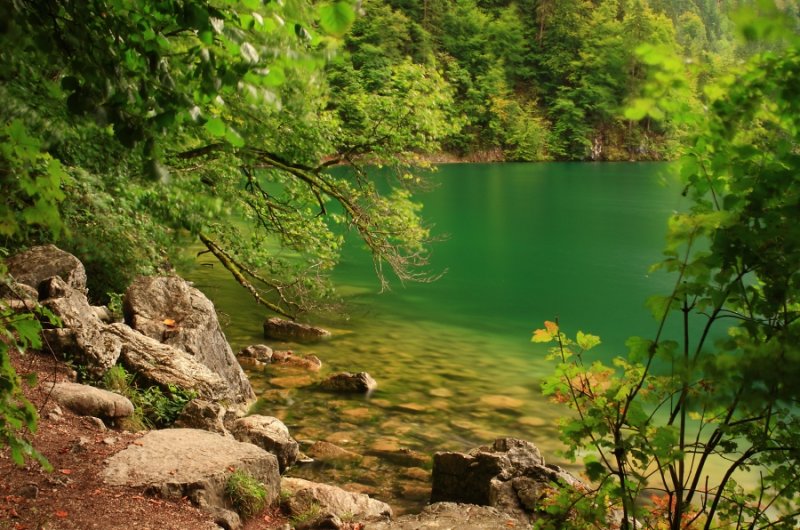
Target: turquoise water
[[523, 243]]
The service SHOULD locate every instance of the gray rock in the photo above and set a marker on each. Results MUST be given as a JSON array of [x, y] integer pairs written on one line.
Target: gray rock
[[286, 330], [309, 362], [259, 352], [177, 463], [87, 400], [103, 314], [163, 365], [452, 516], [18, 296], [361, 383], [330, 500], [39, 263], [205, 415], [328, 452], [83, 338], [270, 434], [227, 519], [171, 311], [511, 476]]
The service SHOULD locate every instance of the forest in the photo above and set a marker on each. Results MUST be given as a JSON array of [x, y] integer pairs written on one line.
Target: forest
[[264, 133]]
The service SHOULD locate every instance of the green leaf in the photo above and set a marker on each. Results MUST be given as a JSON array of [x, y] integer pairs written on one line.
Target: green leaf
[[29, 331], [639, 109], [586, 341], [336, 18], [215, 127], [275, 77], [234, 138]]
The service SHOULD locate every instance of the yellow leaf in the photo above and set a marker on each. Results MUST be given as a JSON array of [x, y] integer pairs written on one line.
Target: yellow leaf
[[552, 327], [541, 335], [169, 322]]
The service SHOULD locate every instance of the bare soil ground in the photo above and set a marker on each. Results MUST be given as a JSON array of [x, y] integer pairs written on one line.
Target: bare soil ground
[[73, 495]]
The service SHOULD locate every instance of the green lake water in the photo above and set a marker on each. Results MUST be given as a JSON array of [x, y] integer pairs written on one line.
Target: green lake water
[[453, 359]]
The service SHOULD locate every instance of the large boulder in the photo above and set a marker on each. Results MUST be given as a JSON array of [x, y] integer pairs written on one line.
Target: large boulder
[[177, 463], [287, 330], [169, 310], [39, 263], [163, 365], [329, 502], [511, 476], [87, 400], [345, 382], [270, 434], [452, 516], [83, 338]]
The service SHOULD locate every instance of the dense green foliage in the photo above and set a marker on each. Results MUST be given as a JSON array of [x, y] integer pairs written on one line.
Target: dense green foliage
[[153, 408], [701, 430], [167, 122], [546, 79]]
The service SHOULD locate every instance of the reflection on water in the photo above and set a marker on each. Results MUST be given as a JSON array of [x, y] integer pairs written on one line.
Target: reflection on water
[[453, 359]]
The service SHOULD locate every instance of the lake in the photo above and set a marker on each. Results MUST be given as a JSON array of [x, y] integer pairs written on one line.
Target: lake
[[523, 243]]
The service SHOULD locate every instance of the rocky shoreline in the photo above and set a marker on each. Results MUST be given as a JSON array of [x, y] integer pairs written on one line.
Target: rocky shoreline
[[171, 339]]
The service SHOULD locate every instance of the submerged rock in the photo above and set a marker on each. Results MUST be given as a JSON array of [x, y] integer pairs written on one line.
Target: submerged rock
[[327, 452], [287, 330], [360, 383], [258, 352]]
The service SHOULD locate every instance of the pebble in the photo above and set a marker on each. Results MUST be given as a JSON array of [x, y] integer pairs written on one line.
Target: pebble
[[502, 402], [361, 413], [291, 381], [412, 407], [441, 392]]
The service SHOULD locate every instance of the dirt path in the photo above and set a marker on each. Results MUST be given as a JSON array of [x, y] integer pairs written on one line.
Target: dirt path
[[72, 496]]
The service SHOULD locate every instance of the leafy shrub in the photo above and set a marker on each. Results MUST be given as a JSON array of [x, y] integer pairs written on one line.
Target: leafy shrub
[[153, 408]]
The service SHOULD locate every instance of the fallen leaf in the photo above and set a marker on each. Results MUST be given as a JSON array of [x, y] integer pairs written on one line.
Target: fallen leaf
[[66, 471], [169, 322], [13, 513], [61, 513]]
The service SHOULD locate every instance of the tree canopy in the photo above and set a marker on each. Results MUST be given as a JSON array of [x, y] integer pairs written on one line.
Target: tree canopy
[[165, 121]]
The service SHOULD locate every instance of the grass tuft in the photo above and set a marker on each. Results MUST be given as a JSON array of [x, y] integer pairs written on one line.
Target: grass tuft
[[247, 495]]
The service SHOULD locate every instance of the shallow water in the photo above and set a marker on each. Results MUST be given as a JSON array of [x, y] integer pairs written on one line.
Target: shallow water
[[453, 359]]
